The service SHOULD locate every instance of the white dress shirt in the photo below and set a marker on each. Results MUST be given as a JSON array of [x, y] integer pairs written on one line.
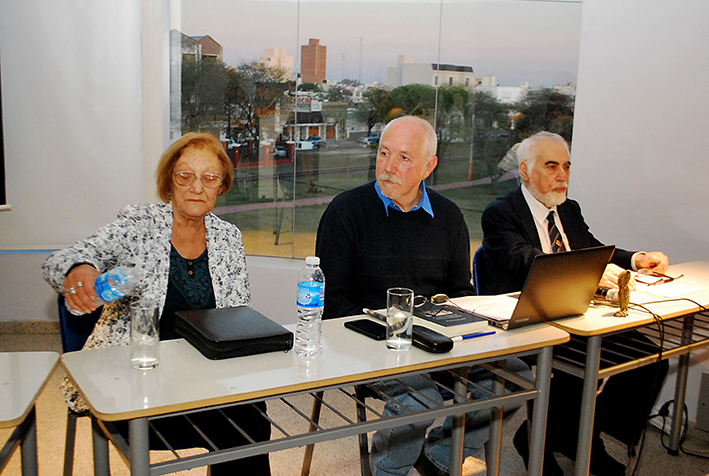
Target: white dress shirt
[[540, 213]]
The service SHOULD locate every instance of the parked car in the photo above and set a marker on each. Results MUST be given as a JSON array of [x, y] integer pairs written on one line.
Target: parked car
[[317, 141], [304, 145], [370, 140]]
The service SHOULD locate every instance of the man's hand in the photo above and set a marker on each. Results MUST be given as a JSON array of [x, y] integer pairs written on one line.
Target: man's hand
[[610, 277], [655, 261]]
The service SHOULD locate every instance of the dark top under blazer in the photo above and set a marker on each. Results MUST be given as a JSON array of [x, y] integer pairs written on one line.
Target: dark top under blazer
[[511, 241]]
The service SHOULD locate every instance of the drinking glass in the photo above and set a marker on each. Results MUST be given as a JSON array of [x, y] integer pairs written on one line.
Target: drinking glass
[[400, 306], [144, 338]]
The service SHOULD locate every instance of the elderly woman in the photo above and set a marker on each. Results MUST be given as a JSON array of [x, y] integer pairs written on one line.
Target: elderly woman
[[190, 259]]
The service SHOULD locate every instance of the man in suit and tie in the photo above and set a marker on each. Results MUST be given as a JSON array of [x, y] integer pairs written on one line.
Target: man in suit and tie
[[538, 218]]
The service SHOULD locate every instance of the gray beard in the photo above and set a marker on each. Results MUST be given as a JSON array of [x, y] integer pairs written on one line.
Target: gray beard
[[549, 199]]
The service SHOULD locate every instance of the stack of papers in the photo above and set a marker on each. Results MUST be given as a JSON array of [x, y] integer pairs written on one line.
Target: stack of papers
[[672, 289], [498, 308]]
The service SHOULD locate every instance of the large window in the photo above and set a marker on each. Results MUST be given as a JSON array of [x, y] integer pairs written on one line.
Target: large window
[[299, 91]]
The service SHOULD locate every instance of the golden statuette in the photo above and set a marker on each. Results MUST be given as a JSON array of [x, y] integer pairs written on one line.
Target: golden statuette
[[623, 294]]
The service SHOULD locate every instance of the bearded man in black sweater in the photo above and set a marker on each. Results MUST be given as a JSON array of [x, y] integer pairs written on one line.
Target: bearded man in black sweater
[[396, 232]]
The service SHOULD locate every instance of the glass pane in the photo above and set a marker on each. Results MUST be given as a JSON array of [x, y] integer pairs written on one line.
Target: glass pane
[[299, 92], [524, 61]]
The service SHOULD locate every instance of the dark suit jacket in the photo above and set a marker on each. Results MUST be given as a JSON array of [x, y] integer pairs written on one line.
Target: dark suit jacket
[[511, 241]]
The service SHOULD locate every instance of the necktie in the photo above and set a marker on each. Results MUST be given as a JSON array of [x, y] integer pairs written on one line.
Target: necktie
[[554, 236]]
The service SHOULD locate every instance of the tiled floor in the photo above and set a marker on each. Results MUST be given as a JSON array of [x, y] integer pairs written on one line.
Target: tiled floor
[[338, 457]]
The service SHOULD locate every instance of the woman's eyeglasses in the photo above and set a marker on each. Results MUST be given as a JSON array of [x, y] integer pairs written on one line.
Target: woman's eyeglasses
[[646, 276], [185, 179]]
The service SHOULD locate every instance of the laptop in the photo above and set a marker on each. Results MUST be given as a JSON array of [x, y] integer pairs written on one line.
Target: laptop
[[558, 285]]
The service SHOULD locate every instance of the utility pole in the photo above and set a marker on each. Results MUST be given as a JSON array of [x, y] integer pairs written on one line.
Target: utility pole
[[359, 78]]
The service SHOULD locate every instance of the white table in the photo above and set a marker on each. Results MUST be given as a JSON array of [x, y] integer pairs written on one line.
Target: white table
[[186, 381], [685, 330], [23, 375]]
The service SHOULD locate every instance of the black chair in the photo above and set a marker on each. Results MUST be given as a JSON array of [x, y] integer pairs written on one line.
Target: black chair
[[75, 330]]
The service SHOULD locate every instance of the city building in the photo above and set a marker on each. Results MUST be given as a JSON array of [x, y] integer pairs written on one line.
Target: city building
[[313, 62], [407, 71], [201, 48], [277, 57], [504, 94], [569, 89]]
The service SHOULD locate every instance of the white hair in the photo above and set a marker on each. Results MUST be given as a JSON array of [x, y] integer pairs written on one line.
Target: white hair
[[527, 150]]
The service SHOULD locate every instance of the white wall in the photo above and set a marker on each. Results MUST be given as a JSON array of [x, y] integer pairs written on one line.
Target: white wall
[[639, 165], [24, 295], [274, 286], [639, 159], [71, 85]]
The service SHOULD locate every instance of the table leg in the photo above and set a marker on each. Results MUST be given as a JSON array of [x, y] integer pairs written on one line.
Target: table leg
[[494, 441], [539, 414], [458, 428], [139, 447], [100, 444], [680, 388], [28, 445], [588, 406]]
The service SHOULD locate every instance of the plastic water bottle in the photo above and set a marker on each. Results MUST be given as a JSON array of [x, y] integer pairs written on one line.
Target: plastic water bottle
[[111, 285], [310, 303]]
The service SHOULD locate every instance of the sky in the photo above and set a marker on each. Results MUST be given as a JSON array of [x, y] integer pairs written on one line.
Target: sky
[[514, 40]]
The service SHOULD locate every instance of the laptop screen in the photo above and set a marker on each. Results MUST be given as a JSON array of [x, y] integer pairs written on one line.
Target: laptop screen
[[559, 285]]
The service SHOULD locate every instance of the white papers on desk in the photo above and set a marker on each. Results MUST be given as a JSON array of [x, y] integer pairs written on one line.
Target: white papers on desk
[[672, 289], [498, 308]]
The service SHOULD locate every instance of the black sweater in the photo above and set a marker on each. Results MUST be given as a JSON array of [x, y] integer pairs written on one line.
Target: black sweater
[[363, 252]]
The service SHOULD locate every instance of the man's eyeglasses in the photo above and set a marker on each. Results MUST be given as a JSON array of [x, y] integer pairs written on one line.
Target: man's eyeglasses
[[438, 303], [185, 179], [652, 278]]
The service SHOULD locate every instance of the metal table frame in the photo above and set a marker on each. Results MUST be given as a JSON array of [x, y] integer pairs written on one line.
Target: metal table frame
[[348, 360], [23, 375], [25, 436], [136, 454], [684, 330]]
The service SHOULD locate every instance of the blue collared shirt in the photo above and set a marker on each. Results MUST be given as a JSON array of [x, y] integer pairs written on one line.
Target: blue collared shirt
[[425, 203]]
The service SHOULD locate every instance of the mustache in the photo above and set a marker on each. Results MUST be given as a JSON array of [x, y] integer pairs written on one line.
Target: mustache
[[389, 178]]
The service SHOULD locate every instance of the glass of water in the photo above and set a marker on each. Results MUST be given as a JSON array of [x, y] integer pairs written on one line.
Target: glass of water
[[400, 306], [144, 338]]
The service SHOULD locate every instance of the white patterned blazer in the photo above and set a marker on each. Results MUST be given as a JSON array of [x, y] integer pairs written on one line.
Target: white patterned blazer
[[141, 237]]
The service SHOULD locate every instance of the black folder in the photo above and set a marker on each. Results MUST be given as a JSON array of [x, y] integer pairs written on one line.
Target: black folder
[[232, 332]]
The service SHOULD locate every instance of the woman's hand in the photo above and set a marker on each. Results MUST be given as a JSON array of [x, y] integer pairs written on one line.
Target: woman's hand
[[79, 290]]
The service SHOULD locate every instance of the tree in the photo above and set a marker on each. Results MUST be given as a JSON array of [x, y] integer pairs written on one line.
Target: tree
[[453, 121], [334, 94], [414, 99], [375, 107], [544, 110], [312, 87], [203, 85], [251, 89], [491, 134]]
